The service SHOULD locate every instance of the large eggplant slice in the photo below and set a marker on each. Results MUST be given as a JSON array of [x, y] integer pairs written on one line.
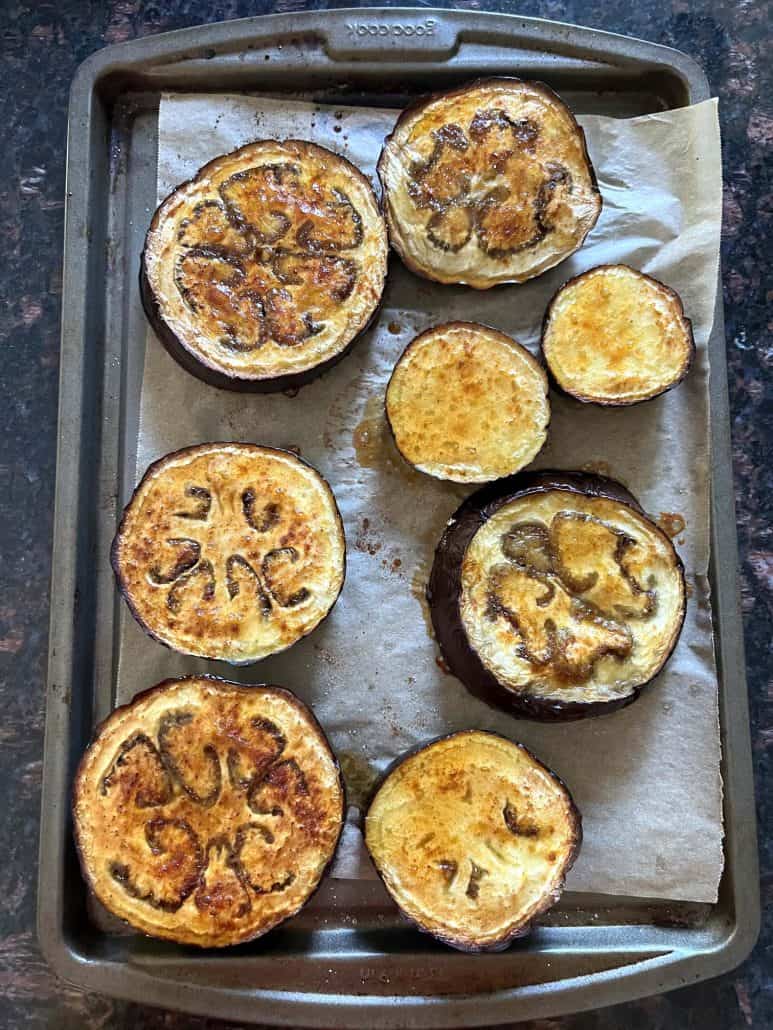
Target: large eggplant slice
[[467, 403], [259, 273], [230, 551], [554, 596], [207, 812], [615, 336], [473, 837], [489, 183]]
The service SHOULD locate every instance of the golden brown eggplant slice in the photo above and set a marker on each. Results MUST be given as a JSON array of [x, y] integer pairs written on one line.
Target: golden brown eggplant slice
[[467, 403], [230, 551], [553, 595], [615, 336], [473, 837], [487, 184], [170, 828], [259, 273]]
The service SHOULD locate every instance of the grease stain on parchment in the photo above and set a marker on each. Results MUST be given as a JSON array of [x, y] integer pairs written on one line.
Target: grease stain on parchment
[[672, 523]]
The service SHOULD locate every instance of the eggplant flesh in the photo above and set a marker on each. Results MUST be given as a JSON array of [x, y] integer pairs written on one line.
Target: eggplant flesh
[[467, 403], [261, 271], [488, 183], [554, 596], [230, 551], [206, 812], [473, 837], [614, 336]]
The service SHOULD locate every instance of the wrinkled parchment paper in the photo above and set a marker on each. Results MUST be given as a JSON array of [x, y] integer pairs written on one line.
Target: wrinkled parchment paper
[[646, 779]]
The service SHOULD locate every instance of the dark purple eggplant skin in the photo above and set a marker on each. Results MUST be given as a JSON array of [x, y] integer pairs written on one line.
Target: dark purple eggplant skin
[[606, 403], [212, 376], [488, 80], [444, 590], [466, 944], [289, 696], [116, 565]]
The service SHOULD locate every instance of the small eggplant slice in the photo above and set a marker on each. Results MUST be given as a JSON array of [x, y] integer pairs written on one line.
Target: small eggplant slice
[[467, 403], [164, 815], [230, 551], [554, 596], [473, 838], [614, 336], [261, 271], [489, 183]]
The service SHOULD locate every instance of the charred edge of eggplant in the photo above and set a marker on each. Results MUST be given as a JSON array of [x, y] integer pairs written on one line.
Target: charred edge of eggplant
[[444, 591], [199, 367], [124, 591], [418, 105], [524, 929], [222, 684], [461, 324], [597, 402]]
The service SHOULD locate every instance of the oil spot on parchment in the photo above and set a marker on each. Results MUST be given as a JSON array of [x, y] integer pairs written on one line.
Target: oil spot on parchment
[[672, 523]]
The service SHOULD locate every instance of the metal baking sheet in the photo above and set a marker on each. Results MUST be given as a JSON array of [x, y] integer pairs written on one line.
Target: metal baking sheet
[[347, 960]]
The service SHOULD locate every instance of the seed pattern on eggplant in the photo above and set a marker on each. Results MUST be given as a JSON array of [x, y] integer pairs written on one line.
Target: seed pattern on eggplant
[[580, 612], [278, 254], [498, 216], [190, 566], [487, 183], [227, 810], [554, 595], [230, 551], [472, 837]]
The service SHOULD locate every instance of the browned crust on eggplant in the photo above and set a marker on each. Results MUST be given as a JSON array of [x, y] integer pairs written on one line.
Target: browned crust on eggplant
[[229, 686], [199, 366], [114, 547], [444, 591], [536, 364], [213, 377], [421, 102], [467, 944], [609, 403]]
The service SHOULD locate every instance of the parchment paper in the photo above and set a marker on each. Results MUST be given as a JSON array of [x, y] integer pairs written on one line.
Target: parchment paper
[[646, 779]]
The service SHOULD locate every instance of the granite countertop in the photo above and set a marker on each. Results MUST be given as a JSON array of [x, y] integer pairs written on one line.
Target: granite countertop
[[42, 44]]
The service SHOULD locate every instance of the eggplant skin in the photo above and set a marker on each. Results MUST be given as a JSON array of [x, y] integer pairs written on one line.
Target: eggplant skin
[[205, 895], [444, 591], [305, 277], [527, 822], [602, 332], [491, 264], [449, 394], [210, 630]]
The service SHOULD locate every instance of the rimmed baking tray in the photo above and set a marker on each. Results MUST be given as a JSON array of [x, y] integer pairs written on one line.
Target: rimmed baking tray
[[346, 961]]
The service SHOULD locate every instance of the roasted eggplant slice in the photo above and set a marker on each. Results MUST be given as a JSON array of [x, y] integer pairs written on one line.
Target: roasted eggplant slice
[[259, 273], [473, 837], [171, 821], [487, 184], [615, 336], [467, 403], [554, 596], [230, 551]]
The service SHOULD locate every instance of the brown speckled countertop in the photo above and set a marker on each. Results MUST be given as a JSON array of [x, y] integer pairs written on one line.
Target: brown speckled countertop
[[42, 44]]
